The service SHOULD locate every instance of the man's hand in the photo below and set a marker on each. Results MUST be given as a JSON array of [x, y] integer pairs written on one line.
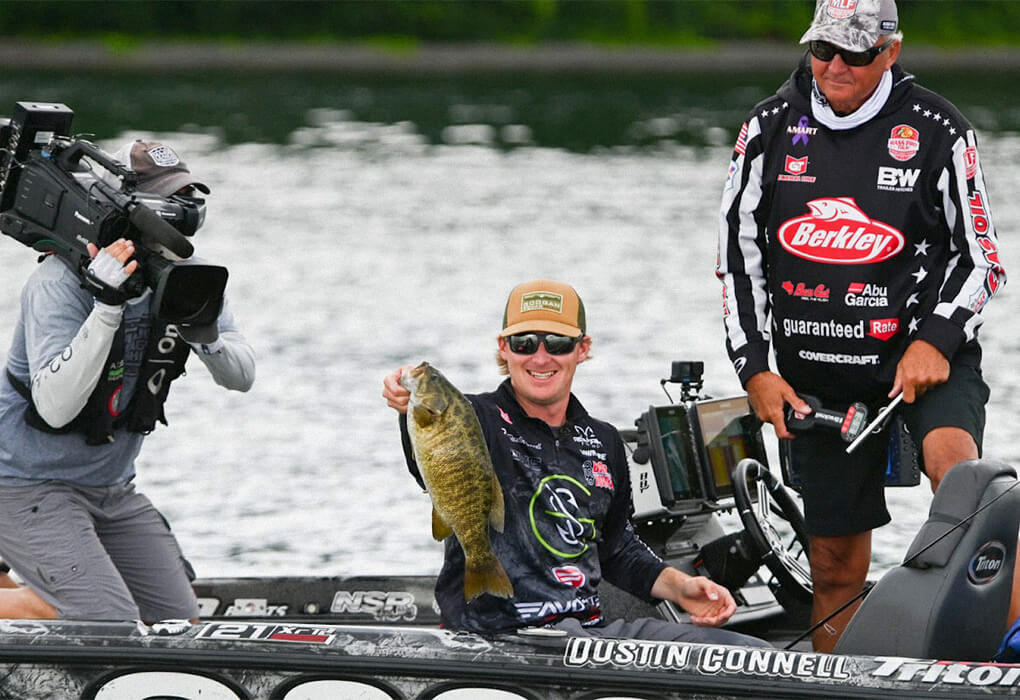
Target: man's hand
[[397, 397], [200, 335], [921, 367], [708, 603], [109, 269], [769, 393]]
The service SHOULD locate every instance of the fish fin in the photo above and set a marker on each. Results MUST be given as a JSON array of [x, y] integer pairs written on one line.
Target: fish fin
[[487, 576], [496, 512], [440, 530]]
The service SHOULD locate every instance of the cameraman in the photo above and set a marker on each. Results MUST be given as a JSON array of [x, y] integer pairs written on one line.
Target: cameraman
[[86, 379]]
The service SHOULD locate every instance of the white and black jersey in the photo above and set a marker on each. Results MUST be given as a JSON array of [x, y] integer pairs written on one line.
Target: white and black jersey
[[842, 245]]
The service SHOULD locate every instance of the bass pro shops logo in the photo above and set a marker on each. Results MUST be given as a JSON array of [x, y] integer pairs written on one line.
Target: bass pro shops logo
[[904, 142], [836, 231]]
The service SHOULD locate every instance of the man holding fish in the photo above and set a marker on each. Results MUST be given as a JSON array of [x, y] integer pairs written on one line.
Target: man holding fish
[[537, 492]]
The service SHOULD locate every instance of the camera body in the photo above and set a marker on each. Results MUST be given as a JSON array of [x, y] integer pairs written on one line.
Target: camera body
[[53, 200]]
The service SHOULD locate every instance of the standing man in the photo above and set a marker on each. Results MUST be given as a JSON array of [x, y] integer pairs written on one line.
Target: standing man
[[86, 380], [538, 434], [856, 236]]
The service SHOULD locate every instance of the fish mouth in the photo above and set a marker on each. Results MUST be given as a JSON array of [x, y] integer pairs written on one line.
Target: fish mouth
[[409, 379]]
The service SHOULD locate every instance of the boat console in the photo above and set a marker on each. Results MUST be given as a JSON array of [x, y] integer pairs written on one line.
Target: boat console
[[682, 489]]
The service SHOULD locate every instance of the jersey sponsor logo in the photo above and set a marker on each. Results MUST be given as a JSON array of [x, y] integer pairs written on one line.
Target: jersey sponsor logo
[[837, 231], [526, 460], [841, 9], [570, 576], [557, 513], [552, 608], [970, 162], [802, 132], [795, 170], [904, 142], [822, 329], [518, 440], [837, 358], [883, 328], [597, 474], [989, 248], [505, 416], [861, 294], [802, 291], [897, 179], [796, 166], [585, 435]]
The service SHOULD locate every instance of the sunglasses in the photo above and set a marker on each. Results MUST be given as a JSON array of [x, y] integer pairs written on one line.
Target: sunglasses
[[824, 51], [555, 344]]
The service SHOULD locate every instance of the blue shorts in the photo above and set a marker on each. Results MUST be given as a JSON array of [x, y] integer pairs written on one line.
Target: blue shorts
[[845, 494], [102, 553]]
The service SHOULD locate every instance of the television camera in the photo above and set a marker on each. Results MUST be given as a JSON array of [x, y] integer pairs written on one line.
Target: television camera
[[53, 200]]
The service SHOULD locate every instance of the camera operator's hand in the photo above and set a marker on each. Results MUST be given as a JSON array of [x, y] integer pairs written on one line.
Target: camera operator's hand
[[199, 335], [109, 270]]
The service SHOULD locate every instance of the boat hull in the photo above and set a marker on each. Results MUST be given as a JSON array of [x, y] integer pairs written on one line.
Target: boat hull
[[289, 659]]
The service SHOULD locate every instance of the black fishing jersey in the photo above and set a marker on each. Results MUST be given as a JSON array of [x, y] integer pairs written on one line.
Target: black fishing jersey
[[842, 246], [567, 520]]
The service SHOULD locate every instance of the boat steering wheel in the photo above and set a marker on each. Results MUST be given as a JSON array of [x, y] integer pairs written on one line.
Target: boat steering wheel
[[756, 514]]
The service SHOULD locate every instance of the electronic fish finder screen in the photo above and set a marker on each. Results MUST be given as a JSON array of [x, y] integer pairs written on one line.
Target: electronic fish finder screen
[[696, 445], [673, 446], [730, 433]]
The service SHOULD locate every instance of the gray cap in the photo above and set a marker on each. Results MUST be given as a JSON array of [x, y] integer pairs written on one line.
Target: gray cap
[[160, 170], [854, 25]]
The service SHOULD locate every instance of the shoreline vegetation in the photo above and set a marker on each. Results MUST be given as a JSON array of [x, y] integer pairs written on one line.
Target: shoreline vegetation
[[455, 58], [474, 36]]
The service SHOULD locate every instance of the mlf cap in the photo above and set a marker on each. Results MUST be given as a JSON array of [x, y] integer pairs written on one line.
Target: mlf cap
[[544, 306], [160, 170], [854, 25]]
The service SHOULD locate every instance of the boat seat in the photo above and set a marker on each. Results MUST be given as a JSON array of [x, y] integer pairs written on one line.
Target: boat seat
[[951, 600]]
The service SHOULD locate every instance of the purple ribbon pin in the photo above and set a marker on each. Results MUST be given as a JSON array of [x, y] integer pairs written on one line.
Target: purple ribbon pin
[[802, 134]]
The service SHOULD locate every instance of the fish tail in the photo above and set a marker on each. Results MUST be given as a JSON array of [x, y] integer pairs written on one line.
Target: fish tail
[[486, 576]]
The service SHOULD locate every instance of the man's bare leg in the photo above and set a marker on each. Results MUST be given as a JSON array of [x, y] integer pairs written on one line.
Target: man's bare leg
[[839, 568]]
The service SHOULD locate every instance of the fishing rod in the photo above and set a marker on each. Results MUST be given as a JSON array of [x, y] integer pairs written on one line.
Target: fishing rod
[[868, 588]]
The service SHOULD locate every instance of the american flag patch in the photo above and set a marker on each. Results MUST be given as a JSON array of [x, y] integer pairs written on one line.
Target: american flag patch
[[741, 140]]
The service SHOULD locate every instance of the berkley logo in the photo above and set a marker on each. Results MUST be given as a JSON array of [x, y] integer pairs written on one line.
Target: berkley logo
[[841, 9], [883, 328], [904, 141], [837, 231], [570, 575]]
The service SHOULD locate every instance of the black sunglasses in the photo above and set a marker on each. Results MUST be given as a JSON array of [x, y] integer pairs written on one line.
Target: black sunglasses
[[824, 51], [555, 344]]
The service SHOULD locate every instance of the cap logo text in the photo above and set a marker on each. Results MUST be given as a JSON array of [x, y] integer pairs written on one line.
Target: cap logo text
[[841, 9], [163, 156], [542, 301]]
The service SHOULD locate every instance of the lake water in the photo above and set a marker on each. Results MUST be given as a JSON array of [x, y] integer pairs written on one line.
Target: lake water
[[369, 224]]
